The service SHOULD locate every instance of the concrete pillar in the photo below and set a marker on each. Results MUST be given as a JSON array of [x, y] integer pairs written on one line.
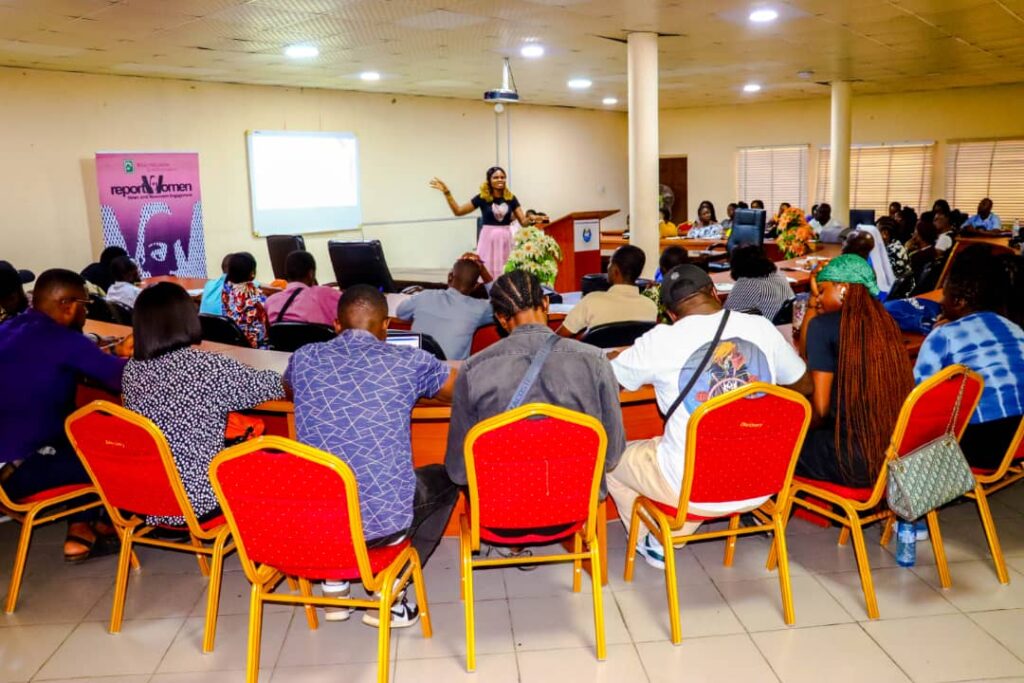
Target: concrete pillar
[[642, 70], [839, 152]]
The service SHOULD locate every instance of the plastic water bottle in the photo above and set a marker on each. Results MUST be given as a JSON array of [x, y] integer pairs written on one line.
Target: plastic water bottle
[[906, 543]]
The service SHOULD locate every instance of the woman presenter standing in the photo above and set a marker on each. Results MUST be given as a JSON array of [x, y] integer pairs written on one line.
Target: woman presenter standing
[[499, 207]]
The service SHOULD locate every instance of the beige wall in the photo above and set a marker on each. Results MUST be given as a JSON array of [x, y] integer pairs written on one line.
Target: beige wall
[[709, 136], [52, 123]]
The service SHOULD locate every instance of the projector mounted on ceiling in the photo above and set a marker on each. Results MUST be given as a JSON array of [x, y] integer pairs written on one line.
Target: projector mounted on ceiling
[[507, 92]]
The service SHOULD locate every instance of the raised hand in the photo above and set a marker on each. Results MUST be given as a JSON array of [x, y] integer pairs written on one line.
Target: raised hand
[[438, 184]]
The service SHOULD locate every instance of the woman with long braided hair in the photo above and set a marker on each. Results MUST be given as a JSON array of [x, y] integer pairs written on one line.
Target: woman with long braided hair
[[861, 375]]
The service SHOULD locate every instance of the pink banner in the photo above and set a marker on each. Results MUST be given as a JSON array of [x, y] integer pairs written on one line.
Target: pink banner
[[151, 206]]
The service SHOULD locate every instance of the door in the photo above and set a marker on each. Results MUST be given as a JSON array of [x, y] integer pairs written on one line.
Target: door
[[672, 172]]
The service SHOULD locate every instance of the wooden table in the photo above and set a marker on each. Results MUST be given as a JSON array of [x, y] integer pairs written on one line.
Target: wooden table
[[614, 240]]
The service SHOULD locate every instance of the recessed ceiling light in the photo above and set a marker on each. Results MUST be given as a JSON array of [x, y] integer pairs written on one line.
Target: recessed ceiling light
[[532, 51], [301, 51], [579, 83], [370, 76], [763, 15], [751, 87], [609, 101]]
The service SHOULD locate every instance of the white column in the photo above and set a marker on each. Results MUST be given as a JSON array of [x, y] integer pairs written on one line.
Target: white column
[[642, 73], [839, 152]]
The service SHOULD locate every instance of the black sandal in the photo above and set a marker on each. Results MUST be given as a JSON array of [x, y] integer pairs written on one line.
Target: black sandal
[[98, 547]]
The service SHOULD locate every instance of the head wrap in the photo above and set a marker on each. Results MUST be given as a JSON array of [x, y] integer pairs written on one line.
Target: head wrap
[[851, 269]]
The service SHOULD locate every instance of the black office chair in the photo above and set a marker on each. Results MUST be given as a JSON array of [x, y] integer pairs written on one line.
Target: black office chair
[[862, 217], [360, 263], [929, 278], [901, 287], [747, 228], [598, 282], [616, 334], [279, 247], [293, 336], [99, 309], [122, 314], [785, 314], [222, 329]]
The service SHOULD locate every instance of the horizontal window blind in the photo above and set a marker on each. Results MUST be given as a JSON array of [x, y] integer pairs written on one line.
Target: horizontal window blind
[[772, 174], [881, 174], [986, 168]]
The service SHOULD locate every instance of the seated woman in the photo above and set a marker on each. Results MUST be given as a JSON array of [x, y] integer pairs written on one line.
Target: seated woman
[[899, 259], [706, 226], [666, 228], [861, 375], [979, 336], [188, 393], [126, 274], [759, 284], [243, 301]]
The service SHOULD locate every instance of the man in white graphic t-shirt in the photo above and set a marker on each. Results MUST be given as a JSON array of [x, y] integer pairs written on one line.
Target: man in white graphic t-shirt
[[750, 350]]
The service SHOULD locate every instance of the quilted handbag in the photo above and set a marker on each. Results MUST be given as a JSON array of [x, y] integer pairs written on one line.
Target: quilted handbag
[[931, 475]]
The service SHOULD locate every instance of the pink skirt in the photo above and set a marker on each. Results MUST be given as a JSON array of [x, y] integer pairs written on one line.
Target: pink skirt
[[494, 246]]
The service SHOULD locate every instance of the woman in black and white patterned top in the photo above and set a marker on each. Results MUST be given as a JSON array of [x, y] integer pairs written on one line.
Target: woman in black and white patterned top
[[759, 285], [188, 393]]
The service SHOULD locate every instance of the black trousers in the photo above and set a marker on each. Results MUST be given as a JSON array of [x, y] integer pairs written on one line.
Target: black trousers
[[432, 506], [41, 472], [985, 444], [820, 460]]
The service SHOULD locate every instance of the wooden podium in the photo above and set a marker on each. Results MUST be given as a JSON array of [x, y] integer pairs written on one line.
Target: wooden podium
[[579, 236]]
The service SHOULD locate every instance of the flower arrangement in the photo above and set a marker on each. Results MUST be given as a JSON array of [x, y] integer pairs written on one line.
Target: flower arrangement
[[535, 252], [795, 235]]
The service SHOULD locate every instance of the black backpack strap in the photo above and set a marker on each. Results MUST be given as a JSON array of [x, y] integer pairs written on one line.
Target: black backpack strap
[[700, 368], [287, 305]]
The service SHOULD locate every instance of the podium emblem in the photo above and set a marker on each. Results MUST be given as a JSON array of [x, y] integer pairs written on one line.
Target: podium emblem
[[587, 235]]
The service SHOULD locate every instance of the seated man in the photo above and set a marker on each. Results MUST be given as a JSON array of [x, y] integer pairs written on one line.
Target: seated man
[[944, 230], [667, 357], [450, 315], [980, 337], [99, 273], [303, 300], [42, 355], [621, 303], [124, 290], [984, 220], [353, 397], [13, 299], [576, 376], [823, 220]]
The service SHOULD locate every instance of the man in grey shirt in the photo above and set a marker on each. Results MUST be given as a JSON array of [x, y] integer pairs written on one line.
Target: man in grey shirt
[[576, 376], [450, 315]]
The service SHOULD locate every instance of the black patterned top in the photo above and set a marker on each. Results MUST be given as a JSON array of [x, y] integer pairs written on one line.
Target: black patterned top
[[188, 394]]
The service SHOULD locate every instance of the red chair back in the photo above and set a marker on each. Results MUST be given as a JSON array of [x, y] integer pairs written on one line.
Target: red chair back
[[535, 466], [484, 337], [926, 413], [743, 444], [291, 507], [128, 459]]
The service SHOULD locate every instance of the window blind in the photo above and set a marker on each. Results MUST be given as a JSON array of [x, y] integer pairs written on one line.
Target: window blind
[[986, 168], [772, 174], [881, 174]]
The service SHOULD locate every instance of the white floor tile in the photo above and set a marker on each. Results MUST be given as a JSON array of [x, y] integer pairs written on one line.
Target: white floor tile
[[580, 664], [563, 622], [833, 653], [748, 562], [91, 651], [442, 575], [24, 649], [975, 586], [343, 642], [186, 654], [153, 596], [758, 604], [724, 659], [702, 612], [44, 600], [349, 673], [1006, 626], [899, 591], [493, 632], [824, 554], [947, 647], [501, 668], [688, 572], [105, 679]]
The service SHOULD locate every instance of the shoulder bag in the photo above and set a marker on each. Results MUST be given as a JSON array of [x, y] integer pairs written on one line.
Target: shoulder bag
[[700, 368]]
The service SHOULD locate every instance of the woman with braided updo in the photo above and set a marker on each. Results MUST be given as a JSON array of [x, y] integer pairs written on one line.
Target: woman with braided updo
[[861, 375], [498, 206]]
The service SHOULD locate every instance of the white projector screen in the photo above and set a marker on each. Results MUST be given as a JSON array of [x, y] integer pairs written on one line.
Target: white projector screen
[[303, 182]]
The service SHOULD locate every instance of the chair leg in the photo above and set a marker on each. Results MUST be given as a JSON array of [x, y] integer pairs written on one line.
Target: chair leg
[[783, 560], [306, 589], [384, 630], [990, 533], [577, 564], [204, 565], [772, 560], [730, 541], [634, 532], [863, 564], [935, 534], [467, 598], [121, 583], [213, 592], [671, 586], [421, 596], [293, 585], [602, 538], [598, 590], [20, 558], [252, 662], [844, 536], [890, 524]]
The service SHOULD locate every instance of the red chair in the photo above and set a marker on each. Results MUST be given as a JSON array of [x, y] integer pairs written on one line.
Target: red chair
[[29, 512], [130, 463], [294, 511], [536, 467], [924, 417], [739, 446]]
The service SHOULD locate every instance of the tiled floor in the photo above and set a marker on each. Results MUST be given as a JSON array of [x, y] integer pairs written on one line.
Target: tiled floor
[[532, 628]]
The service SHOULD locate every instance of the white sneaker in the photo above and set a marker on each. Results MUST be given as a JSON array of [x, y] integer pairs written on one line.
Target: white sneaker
[[650, 549], [336, 589], [403, 614]]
